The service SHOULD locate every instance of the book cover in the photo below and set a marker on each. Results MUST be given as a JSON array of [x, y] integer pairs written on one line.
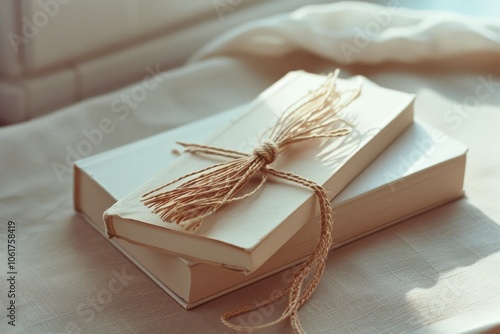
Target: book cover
[[245, 234], [394, 187]]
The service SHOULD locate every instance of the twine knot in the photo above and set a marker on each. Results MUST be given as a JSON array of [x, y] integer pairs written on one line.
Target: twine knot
[[268, 151], [210, 188]]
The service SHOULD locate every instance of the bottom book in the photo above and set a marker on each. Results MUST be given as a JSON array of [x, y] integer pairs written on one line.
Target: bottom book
[[421, 170]]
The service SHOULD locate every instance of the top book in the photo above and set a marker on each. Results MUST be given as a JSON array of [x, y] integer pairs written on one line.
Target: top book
[[244, 234]]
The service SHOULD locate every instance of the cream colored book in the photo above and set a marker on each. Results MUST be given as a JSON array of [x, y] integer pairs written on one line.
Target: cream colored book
[[419, 171], [244, 234]]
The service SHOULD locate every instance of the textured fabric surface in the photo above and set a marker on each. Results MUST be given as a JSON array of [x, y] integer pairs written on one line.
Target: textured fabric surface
[[436, 273]]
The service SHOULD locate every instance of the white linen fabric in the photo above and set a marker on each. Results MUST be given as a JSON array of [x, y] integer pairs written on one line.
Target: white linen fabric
[[436, 273], [357, 32]]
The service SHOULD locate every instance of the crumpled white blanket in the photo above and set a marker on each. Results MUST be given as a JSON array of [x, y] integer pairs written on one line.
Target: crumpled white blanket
[[357, 32], [436, 273]]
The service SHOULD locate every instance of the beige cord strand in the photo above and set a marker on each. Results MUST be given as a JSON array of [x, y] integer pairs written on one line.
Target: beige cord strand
[[208, 189]]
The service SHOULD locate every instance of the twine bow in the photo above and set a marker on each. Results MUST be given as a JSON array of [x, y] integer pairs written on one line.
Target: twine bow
[[311, 117]]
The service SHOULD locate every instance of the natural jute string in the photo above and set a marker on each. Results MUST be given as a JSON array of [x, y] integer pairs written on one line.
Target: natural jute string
[[313, 116]]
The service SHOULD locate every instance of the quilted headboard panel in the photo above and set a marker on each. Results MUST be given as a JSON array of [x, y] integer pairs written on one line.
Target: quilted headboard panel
[[47, 33], [56, 52]]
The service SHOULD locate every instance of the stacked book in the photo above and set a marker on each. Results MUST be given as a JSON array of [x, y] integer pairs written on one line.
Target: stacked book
[[388, 169]]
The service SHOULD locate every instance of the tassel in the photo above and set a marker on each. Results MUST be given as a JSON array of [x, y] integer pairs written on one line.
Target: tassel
[[207, 190]]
